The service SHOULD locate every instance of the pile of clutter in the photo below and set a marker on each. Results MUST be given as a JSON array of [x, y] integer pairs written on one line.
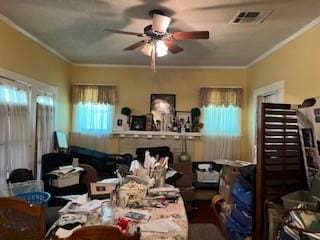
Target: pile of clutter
[[153, 170]]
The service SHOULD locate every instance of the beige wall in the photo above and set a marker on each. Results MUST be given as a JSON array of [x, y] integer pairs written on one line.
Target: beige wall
[[24, 56], [135, 85], [297, 64]]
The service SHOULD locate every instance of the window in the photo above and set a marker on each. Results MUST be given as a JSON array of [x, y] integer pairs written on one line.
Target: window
[[222, 121], [93, 118], [19, 97], [14, 128], [93, 109], [221, 115]]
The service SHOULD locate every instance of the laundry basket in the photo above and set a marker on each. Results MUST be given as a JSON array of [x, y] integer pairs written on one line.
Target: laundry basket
[[36, 198]]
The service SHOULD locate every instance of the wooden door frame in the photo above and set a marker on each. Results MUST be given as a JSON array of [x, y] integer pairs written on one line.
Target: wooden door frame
[[276, 87]]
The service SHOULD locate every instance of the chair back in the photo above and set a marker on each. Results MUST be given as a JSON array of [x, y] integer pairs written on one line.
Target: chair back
[[90, 175], [20, 175], [20, 220], [102, 232], [186, 179]]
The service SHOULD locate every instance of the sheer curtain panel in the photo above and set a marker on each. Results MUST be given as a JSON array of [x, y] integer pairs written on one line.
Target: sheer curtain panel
[[93, 111], [221, 113], [14, 129], [44, 129]]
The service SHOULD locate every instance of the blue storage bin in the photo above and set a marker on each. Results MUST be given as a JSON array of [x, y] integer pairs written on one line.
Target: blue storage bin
[[242, 196], [243, 217], [36, 198], [236, 231]]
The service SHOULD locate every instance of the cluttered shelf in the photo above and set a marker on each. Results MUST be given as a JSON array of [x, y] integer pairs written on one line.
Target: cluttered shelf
[[161, 134]]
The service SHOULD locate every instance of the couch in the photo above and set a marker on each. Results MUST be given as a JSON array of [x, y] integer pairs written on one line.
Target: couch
[[105, 164]]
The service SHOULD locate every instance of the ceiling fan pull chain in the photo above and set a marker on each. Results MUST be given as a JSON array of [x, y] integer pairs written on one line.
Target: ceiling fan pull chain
[[153, 58]]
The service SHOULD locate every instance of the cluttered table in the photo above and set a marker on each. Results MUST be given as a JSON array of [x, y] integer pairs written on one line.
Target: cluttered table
[[139, 202], [167, 221]]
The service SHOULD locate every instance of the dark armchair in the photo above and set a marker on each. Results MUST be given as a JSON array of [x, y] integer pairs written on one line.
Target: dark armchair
[[52, 161], [205, 185], [20, 175]]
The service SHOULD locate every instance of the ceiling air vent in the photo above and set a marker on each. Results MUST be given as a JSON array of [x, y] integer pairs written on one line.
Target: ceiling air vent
[[252, 16]]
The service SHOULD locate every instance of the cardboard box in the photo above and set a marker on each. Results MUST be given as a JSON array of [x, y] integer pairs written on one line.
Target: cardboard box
[[66, 180], [101, 190], [225, 191], [229, 174], [65, 176]]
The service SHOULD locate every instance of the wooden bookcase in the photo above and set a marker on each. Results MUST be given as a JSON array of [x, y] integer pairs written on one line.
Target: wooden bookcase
[[280, 165]]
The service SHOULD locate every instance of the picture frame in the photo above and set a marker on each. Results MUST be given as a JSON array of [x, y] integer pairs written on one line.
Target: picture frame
[[138, 123], [183, 116], [162, 104], [120, 122]]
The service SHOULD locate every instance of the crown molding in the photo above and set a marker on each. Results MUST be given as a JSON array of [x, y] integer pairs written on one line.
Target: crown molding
[[157, 67], [286, 41], [258, 59], [33, 38]]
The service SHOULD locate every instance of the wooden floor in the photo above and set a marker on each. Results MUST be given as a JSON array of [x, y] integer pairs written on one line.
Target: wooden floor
[[203, 213]]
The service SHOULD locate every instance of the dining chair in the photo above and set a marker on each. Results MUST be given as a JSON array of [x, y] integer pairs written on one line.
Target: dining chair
[[90, 175], [20, 220], [102, 232]]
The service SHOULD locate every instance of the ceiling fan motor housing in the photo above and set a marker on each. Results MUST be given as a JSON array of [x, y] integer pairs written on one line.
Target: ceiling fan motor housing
[[160, 22]]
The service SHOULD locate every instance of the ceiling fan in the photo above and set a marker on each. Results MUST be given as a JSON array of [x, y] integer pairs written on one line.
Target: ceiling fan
[[158, 40]]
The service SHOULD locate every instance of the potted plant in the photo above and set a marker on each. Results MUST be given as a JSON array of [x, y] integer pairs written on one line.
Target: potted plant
[[195, 117], [127, 112]]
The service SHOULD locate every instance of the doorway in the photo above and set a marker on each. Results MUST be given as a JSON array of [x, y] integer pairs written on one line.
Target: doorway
[[273, 93]]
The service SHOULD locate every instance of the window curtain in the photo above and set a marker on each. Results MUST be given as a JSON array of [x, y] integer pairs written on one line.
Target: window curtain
[[93, 111], [45, 128], [14, 125], [221, 114]]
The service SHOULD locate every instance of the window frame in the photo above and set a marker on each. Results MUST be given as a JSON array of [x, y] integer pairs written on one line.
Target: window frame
[[36, 88]]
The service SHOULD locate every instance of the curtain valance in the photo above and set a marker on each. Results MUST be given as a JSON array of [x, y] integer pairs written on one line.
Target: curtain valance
[[220, 96], [94, 94]]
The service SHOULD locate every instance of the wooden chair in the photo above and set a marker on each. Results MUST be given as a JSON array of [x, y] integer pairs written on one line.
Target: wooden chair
[[102, 232], [20, 220], [90, 175]]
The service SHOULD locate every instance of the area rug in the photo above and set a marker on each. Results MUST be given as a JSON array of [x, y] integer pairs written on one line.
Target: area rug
[[204, 231]]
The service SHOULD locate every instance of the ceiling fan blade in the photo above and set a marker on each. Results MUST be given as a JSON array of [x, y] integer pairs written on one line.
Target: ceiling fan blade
[[136, 45], [172, 47], [124, 32], [190, 35]]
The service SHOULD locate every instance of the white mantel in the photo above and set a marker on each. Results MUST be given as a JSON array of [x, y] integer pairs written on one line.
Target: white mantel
[[151, 134], [129, 141]]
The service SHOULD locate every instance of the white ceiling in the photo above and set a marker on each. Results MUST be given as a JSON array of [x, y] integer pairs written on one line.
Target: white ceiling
[[74, 28]]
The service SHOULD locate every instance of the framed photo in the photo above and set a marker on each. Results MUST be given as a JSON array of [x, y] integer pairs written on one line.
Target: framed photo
[[120, 122], [183, 116], [162, 104], [138, 123]]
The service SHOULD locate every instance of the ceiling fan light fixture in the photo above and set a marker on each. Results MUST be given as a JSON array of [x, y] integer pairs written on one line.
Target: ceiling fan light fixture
[[160, 23], [161, 48], [147, 49]]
